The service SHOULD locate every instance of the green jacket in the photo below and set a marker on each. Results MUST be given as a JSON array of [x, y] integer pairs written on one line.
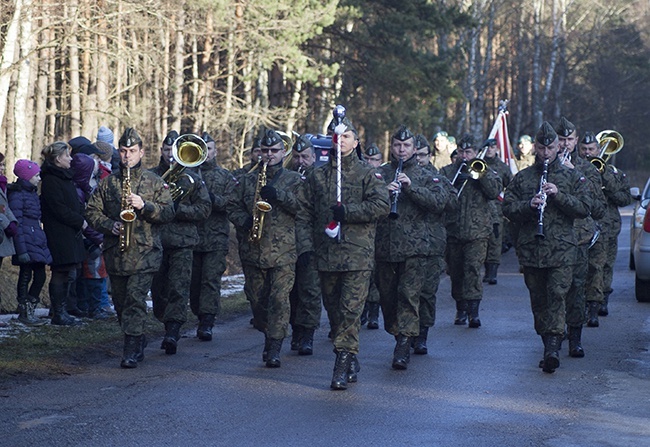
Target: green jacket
[[504, 172], [144, 254], [365, 199], [616, 188], [558, 247]]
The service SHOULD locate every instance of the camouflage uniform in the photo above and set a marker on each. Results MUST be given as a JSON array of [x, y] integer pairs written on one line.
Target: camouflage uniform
[[468, 231], [495, 240], [344, 266], [209, 256], [305, 296], [403, 245], [547, 262], [131, 271], [602, 255], [171, 286], [269, 265], [525, 160]]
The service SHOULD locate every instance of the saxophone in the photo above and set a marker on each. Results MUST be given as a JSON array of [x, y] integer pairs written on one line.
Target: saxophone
[[127, 214], [260, 208]]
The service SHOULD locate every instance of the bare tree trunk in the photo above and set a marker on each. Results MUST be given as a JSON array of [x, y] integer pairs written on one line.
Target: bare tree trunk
[[22, 119], [195, 117], [9, 52], [537, 104], [73, 72], [164, 75], [179, 59], [40, 113], [103, 75]]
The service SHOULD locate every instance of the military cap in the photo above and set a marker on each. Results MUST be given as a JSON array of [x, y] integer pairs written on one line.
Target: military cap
[[372, 149], [467, 142], [490, 142], [589, 138], [130, 138], [257, 142], [546, 134], [421, 142], [348, 126], [271, 138], [442, 133], [403, 133], [525, 138], [565, 127], [302, 143], [170, 138], [451, 139], [206, 137]]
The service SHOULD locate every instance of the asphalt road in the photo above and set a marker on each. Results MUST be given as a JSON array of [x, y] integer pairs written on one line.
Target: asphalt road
[[477, 387]]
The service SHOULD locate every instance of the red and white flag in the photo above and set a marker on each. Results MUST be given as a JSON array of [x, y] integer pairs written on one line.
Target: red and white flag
[[500, 133]]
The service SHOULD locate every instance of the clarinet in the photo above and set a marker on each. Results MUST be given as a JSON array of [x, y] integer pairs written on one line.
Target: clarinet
[[395, 194], [542, 206]]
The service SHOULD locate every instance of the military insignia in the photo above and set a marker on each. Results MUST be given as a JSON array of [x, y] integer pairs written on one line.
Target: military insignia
[[165, 185], [436, 180], [129, 142], [582, 179], [378, 175]]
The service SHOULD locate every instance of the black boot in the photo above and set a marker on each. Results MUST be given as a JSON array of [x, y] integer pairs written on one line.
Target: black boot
[[26, 315], [296, 335], [273, 356], [143, 344], [306, 342], [354, 369], [364, 314], [472, 311], [491, 273], [373, 315], [592, 313], [131, 353], [420, 342], [402, 352], [341, 368], [604, 311], [60, 316], [204, 331], [267, 345], [551, 354], [172, 335], [461, 313], [575, 348]]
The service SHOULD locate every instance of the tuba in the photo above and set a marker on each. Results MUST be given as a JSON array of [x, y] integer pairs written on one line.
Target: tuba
[[188, 151], [610, 142], [127, 213], [260, 207]]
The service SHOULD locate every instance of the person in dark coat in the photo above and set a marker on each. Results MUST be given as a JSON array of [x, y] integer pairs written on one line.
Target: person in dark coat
[[63, 222], [8, 223], [32, 253]]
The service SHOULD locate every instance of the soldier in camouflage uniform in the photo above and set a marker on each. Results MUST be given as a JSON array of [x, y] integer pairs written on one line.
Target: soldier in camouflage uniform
[[344, 260], [372, 156], [209, 254], [131, 270], [268, 259], [404, 242], [546, 260], [468, 231], [525, 154], [305, 296], [602, 254], [495, 241], [171, 285], [435, 261], [585, 229]]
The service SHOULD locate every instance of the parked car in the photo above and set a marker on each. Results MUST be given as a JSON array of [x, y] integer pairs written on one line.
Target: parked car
[[640, 244]]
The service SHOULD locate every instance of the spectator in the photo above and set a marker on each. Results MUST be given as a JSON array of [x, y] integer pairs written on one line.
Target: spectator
[[7, 219]]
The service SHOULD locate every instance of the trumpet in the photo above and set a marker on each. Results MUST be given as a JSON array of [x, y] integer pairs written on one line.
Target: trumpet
[[610, 143], [475, 169], [188, 151]]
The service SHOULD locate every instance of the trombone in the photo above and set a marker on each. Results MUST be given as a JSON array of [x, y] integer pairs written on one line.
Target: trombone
[[475, 168], [610, 142]]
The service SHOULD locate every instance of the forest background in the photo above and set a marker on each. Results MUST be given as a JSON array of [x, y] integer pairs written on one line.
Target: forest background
[[232, 66]]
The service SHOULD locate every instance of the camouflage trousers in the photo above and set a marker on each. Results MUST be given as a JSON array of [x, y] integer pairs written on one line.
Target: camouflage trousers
[[548, 288], [171, 285], [400, 285], [268, 290], [464, 261], [205, 285], [576, 298], [344, 295], [129, 295], [611, 250], [433, 270], [305, 297], [495, 244], [373, 292], [594, 287]]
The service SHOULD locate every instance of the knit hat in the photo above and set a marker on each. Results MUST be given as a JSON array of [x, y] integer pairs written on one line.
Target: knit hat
[[106, 135], [106, 150], [26, 169], [82, 145]]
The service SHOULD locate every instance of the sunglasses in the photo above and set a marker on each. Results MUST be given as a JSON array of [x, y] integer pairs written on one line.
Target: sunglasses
[[268, 149]]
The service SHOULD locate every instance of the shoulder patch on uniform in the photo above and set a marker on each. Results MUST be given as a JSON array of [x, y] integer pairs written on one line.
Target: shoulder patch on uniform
[[165, 185], [583, 179], [436, 180], [378, 175]]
